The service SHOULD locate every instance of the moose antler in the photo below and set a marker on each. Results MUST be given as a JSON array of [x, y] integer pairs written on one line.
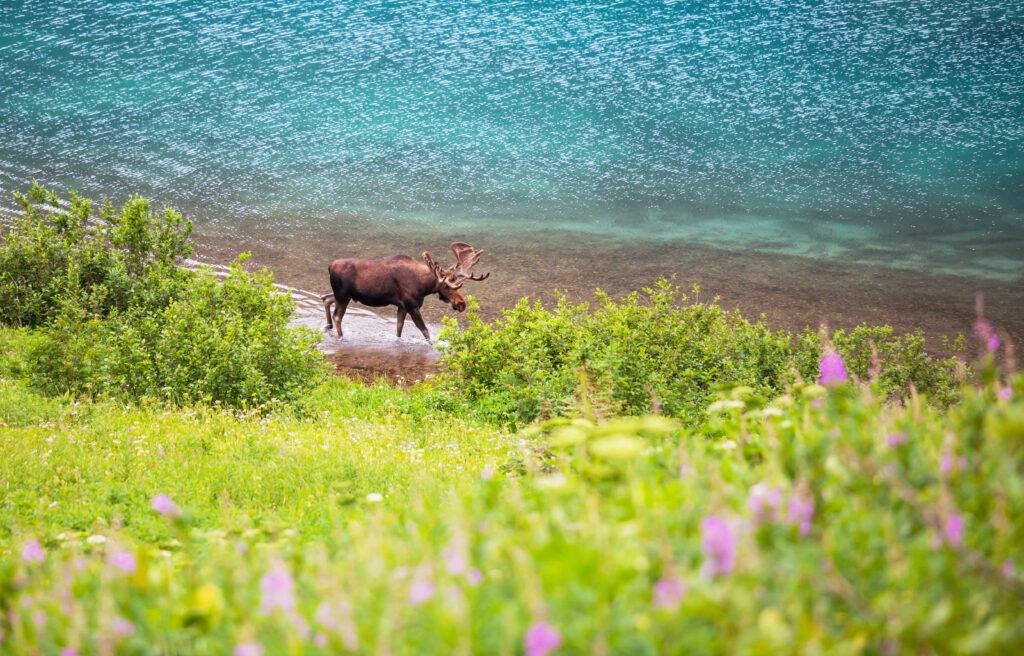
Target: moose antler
[[466, 258], [435, 267]]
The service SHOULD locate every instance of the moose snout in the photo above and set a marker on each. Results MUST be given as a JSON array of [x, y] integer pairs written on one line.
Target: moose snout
[[459, 306]]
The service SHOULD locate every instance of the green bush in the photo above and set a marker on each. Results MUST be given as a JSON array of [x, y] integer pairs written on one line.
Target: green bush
[[656, 348], [899, 360], [221, 341], [115, 314], [56, 253]]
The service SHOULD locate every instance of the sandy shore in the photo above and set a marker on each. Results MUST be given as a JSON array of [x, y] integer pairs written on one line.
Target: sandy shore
[[790, 292]]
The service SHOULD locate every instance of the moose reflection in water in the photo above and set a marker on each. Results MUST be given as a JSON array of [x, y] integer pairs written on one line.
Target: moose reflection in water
[[400, 281]]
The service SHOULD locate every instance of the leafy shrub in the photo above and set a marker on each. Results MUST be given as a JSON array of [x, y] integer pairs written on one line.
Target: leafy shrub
[[895, 360], [117, 315], [226, 341], [655, 347], [56, 252]]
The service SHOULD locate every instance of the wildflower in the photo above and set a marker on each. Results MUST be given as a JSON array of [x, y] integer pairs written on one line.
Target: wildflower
[[96, 539], [986, 334], [123, 560], [541, 639], [764, 503], [122, 627], [954, 529], [32, 552], [300, 625], [668, 593], [165, 506], [421, 591], [455, 558], [1007, 569], [277, 590], [474, 577], [249, 649], [801, 511], [69, 651], [896, 439], [832, 369], [374, 497], [719, 544], [336, 617], [320, 640], [946, 462], [1005, 393]]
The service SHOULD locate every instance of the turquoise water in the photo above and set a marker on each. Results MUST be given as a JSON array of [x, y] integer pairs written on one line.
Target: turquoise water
[[886, 132]]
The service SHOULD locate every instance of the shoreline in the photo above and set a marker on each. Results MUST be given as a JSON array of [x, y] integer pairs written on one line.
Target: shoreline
[[789, 291]]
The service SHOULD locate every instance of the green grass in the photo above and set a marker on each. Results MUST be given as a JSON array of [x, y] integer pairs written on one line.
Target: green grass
[[88, 467], [480, 535]]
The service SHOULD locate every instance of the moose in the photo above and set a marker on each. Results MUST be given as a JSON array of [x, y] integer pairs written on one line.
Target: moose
[[400, 281]]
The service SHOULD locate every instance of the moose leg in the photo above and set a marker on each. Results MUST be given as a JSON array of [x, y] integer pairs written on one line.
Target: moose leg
[[339, 314], [401, 320], [417, 319], [328, 300]]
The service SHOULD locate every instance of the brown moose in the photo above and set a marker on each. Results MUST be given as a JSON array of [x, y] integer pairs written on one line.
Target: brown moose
[[400, 281]]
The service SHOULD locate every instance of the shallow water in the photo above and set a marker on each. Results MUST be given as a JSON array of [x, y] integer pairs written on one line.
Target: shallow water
[[889, 133], [821, 162]]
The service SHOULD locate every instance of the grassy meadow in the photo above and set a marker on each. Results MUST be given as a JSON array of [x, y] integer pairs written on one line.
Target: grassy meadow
[[641, 476]]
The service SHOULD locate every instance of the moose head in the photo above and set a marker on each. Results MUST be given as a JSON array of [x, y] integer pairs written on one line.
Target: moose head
[[451, 279]]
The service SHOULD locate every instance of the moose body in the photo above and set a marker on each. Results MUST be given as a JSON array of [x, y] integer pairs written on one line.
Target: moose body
[[400, 281]]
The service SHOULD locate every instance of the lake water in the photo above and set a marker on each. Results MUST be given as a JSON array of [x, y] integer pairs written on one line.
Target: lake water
[[886, 133]]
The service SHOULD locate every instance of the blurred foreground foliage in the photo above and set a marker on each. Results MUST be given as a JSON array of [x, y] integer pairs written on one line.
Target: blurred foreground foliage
[[819, 520]]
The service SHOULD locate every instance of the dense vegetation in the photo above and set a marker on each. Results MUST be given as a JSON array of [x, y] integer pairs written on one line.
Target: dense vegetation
[[115, 314], [656, 347], [822, 520], [796, 493]]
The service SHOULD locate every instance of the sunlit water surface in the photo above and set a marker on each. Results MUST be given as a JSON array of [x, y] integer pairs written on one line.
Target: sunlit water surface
[[882, 132]]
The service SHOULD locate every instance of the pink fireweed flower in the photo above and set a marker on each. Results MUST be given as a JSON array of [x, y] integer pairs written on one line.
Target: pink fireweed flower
[[946, 463], [32, 553], [764, 503], [541, 639], [1007, 569], [832, 369], [668, 593], [69, 651], [1005, 393], [336, 617], [953, 529], [249, 649], [277, 590], [719, 544], [122, 627], [801, 512], [421, 591], [474, 577], [164, 505], [896, 439], [123, 560], [986, 334], [455, 559]]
